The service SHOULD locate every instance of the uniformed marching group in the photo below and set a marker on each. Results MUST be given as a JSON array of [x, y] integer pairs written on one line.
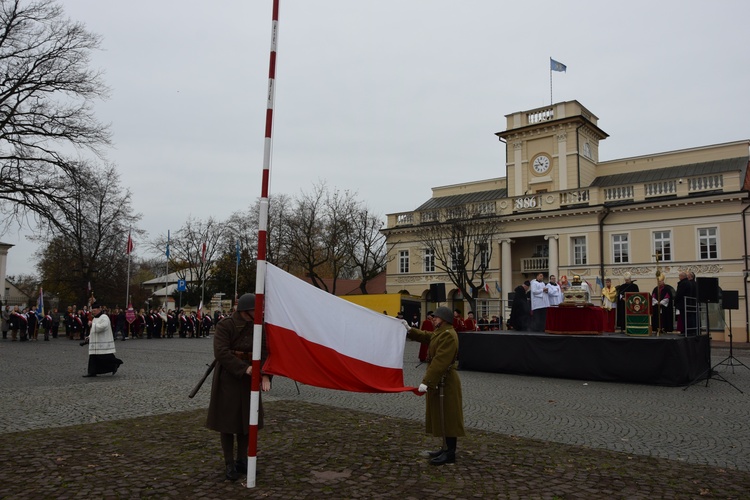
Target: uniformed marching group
[[24, 324]]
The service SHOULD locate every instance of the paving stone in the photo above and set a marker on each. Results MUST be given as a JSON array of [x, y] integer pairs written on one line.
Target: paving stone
[[137, 435]]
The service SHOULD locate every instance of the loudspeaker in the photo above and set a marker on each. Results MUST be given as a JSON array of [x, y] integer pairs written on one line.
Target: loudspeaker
[[511, 296], [437, 292], [730, 299], [708, 290]]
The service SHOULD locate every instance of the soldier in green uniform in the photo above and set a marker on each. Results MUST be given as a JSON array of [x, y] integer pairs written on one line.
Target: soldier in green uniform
[[445, 414]]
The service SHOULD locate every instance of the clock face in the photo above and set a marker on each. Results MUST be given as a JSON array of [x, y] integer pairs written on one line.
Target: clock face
[[541, 164]]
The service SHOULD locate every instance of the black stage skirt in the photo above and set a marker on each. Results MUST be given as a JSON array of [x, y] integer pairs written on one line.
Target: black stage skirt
[[103, 363]]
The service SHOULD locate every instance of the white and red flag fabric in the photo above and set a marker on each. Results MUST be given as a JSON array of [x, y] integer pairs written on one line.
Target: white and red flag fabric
[[321, 340]]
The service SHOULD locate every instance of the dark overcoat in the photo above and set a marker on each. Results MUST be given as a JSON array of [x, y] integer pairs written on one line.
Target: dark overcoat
[[229, 408], [520, 311], [442, 356], [621, 291], [662, 314]]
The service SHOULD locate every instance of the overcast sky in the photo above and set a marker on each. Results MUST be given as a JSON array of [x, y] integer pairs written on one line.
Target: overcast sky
[[390, 98]]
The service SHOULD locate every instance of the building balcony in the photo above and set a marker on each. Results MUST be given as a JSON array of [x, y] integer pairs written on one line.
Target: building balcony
[[535, 265], [554, 200]]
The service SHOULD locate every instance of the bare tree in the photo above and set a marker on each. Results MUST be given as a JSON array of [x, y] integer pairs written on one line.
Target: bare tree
[[242, 238], [46, 106], [461, 246], [318, 235], [86, 243], [305, 235], [369, 255], [192, 252]]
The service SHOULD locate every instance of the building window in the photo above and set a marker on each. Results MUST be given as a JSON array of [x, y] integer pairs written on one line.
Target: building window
[[620, 249], [579, 251], [708, 243], [403, 261], [429, 260], [484, 256], [457, 259], [663, 245]]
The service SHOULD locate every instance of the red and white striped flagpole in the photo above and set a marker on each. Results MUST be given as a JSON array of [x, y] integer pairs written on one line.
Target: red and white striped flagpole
[[260, 276]]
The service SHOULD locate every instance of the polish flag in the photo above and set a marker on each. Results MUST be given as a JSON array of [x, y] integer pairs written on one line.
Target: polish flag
[[321, 340], [130, 246]]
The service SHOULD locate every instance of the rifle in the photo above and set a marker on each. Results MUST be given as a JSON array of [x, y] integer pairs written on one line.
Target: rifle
[[203, 379]]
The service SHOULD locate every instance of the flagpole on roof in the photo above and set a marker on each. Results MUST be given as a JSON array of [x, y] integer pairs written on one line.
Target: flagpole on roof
[[554, 66], [550, 82], [260, 276]]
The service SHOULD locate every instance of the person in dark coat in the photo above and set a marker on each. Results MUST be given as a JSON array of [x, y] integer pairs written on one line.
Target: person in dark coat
[[683, 291], [627, 287], [444, 415], [662, 307], [519, 311], [229, 408]]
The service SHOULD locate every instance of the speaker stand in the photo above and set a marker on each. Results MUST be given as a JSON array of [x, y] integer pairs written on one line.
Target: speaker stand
[[710, 373], [731, 360]]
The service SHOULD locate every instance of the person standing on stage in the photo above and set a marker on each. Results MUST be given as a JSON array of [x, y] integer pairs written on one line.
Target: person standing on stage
[[682, 292], [444, 413], [539, 303], [555, 292], [662, 307], [426, 327], [519, 311], [609, 303], [627, 287]]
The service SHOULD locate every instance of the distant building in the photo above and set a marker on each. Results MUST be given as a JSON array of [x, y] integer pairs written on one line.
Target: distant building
[[13, 296], [564, 212], [4, 247]]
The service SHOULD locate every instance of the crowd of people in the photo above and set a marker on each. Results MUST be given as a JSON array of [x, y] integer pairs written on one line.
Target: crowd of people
[[25, 324]]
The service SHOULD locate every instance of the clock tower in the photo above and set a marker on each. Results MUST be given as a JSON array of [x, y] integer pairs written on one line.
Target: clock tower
[[553, 148]]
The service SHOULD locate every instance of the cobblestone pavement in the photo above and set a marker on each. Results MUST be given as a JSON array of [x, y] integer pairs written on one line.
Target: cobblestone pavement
[[530, 436]]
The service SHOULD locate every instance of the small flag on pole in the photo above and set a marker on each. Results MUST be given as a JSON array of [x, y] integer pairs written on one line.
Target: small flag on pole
[[557, 66], [40, 305], [200, 311], [167, 253], [498, 288], [599, 282], [130, 246], [203, 252]]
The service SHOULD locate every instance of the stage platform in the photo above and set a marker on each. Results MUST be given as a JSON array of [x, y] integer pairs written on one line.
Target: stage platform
[[669, 360]]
